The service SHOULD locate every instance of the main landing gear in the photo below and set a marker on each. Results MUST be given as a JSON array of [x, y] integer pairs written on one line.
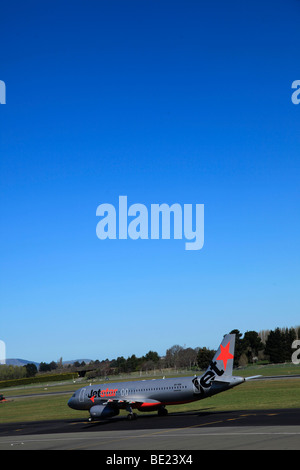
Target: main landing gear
[[131, 416], [162, 411]]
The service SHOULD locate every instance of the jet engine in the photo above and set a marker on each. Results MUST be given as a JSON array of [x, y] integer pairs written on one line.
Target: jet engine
[[103, 411]]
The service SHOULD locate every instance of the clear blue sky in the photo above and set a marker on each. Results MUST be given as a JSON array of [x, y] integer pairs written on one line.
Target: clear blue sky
[[162, 101]]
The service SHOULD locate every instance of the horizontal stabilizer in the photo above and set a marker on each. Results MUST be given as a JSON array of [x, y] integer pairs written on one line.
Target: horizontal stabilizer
[[216, 381], [253, 377]]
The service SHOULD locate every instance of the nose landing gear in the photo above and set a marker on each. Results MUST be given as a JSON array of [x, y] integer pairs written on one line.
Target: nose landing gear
[[131, 416]]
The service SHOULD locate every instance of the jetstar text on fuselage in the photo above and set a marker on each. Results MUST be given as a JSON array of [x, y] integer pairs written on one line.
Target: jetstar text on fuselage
[[108, 392]]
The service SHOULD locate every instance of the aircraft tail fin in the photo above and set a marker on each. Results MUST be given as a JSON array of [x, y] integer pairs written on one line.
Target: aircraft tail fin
[[224, 357]]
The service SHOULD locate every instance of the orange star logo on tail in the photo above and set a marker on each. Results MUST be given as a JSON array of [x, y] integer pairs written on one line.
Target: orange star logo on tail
[[225, 355]]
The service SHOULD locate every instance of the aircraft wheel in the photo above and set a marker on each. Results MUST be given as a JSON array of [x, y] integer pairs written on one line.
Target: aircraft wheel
[[132, 416], [162, 412]]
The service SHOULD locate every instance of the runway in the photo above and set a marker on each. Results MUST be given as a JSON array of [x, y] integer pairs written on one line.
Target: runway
[[233, 430]]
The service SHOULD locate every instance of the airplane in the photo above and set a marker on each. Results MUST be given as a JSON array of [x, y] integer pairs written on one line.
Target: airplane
[[105, 400]]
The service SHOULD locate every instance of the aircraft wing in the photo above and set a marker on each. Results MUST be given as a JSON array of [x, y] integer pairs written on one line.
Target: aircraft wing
[[134, 402]]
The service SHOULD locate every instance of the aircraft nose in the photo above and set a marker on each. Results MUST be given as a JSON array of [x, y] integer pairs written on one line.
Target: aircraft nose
[[72, 402]]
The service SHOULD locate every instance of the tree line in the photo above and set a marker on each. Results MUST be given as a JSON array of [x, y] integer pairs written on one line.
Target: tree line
[[274, 346], [267, 345]]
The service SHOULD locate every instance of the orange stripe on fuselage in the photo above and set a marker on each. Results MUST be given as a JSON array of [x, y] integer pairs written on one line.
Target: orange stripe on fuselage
[[149, 405], [163, 403]]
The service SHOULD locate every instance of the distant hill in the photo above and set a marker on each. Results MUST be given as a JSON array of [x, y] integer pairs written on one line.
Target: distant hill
[[20, 362], [23, 362]]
